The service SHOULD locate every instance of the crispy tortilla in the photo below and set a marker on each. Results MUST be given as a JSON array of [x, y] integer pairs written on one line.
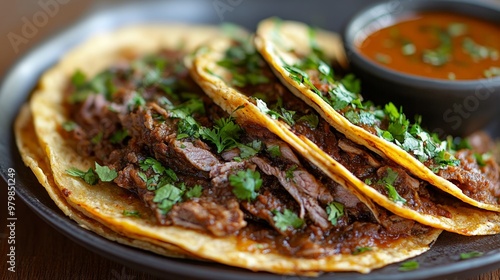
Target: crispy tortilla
[[274, 38], [35, 159], [214, 79], [105, 203]]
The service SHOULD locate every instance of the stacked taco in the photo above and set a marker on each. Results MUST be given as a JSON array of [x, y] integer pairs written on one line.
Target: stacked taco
[[190, 142]]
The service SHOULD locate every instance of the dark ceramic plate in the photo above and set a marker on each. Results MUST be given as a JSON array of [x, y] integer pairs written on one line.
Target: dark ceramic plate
[[441, 261]]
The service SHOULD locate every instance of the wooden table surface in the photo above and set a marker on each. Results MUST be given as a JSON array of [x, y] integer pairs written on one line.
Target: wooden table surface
[[42, 252]]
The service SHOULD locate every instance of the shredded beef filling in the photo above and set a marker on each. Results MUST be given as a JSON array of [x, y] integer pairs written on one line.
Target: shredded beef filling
[[145, 122]]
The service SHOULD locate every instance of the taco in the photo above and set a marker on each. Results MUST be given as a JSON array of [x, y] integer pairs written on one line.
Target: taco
[[36, 160], [452, 167], [234, 75], [132, 143]]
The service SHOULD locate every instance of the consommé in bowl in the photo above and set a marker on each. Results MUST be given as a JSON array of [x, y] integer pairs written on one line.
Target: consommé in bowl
[[436, 58]]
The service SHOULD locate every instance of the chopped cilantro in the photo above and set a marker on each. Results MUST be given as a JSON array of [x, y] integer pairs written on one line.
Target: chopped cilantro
[[383, 58], [78, 79], [470, 255], [279, 113], [360, 250], [343, 96], [289, 172], [311, 120], [168, 175], [119, 136], [149, 162], [131, 213], [245, 184], [69, 126], [351, 83], [482, 158], [105, 173], [188, 127], [245, 65], [456, 29], [368, 181], [136, 101], [195, 191], [340, 97], [334, 210], [388, 182], [188, 108], [224, 134], [249, 150], [409, 266], [166, 196], [274, 150], [88, 176], [97, 138], [287, 219]]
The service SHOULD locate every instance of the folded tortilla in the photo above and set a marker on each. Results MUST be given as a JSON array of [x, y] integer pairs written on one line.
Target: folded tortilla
[[475, 183], [101, 207], [427, 205]]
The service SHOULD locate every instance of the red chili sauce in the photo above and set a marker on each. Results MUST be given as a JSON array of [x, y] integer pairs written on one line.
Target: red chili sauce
[[437, 45]]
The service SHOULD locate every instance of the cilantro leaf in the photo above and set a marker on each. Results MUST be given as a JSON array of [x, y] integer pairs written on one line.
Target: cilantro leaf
[[105, 173], [249, 150], [274, 150], [245, 184], [188, 127], [167, 196], [149, 162], [482, 158], [131, 213], [334, 210], [311, 120], [224, 134], [388, 182], [136, 101], [351, 83], [409, 266], [88, 176], [97, 138], [78, 79], [118, 136], [340, 97], [188, 108], [287, 219], [289, 174], [69, 126], [195, 191], [470, 255], [360, 250]]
